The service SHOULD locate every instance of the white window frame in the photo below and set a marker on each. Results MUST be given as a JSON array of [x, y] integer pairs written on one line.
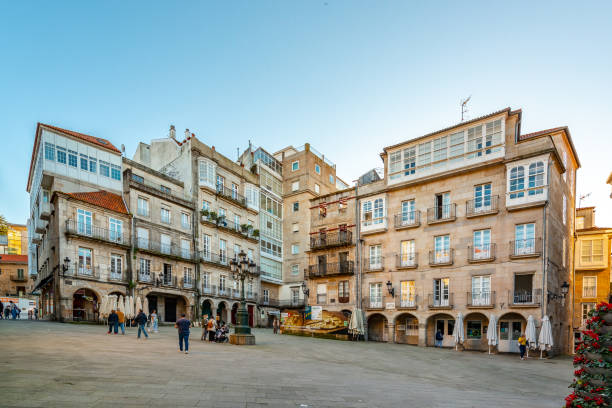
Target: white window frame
[[591, 290]]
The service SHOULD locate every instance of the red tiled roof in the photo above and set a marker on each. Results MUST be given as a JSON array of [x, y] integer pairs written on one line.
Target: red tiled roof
[[11, 258], [98, 141], [541, 132], [102, 199]]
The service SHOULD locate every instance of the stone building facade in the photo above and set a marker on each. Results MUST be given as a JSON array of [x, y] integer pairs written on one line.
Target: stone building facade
[[14, 276]]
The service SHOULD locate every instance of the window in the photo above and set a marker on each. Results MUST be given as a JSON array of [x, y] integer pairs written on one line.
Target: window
[[367, 213], [524, 235], [295, 269], [115, 172], [457, 147], [343, 291], [441, 292], [474, 142], [167, 274], [589, 286], [206, 240], [474, 329], [165, 244], [266, 296], [317, 169], [165, 189], [331, 178], [270, 183], [442, 249], [271, 205], [115, 228], [295, 249], [296, 206], [424, 158], [234, 191], [408, 212], [236, 250], [591, 251], [250, 254], [395, 162], [536, 178], [104, 168], [407, 294], [579, 222], [482, 244], [295, 295], [564, 160], [165, 215], [143, 238], [482, 197], [407, 253], [143, 207], [564, 246], [115, 266], [187, 277], [295, 166], [439, 153], [442, 206], [222, 251], [317, 188], [84, 222], [61, 155], [138, 178], [49, 151], [586, 308], [376, 295], [295, 186], [379, 211], [207, 173], [252, 196], [564, 209], [493, 136], [93, 162], [221, 212], [185, 249], [481, 290], [85, 264], [517, 182], [409, 161], [185, 221], [72, 158], [375, 257], [206, 280], [222, 283], [84, 162], [205, 205], [145, 269]]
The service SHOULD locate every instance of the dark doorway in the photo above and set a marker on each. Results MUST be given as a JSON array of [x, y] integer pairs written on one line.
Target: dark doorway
[[152, 304], [234, 310], [207, 309], [250, 308], [170, 309]]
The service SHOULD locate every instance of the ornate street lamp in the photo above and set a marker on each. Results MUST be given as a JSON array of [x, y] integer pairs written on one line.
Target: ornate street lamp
[[242, 268], [66, 264], [390, 288]]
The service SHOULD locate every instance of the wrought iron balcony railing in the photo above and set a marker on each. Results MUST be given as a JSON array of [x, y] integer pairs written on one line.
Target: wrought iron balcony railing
[[89, 231], [481, 253], [441, 257], [331, 239], [482, 206], [523, 248], [330, 269], [230, 194], [406, 261], [409, 219], [525, 297], [481, 299], [407, 301], [374, 264], [442, 213], [440, 301]]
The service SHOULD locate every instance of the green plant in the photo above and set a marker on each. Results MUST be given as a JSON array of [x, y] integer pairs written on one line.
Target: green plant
[[204, 212], [245, 228], [131, 284], [256, 233], [3, 225], [213, 215]]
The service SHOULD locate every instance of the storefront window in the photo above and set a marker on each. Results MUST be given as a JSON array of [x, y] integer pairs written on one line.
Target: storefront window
[[474, 330]]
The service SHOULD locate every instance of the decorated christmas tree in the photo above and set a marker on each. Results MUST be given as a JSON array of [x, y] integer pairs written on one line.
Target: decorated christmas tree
[[593, 362]]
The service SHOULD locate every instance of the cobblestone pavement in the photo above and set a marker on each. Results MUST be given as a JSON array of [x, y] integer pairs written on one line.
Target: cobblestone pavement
[[45, 364]]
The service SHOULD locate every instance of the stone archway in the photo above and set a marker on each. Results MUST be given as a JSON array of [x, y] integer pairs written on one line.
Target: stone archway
[[85, 304], [475, 325], [377, 327], [511, 325], [234, 311], [407, 329], [222, 312], [208, 307], [443, 322]]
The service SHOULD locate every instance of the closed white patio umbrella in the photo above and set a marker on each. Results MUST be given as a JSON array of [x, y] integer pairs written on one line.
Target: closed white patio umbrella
[[126, 307], [121, 304], [131, 302], [112, 303], [102, 307], [138, 305], [546, 338], [458, 330], [356, 326], [145, 306], [530, 334], [492, 332]]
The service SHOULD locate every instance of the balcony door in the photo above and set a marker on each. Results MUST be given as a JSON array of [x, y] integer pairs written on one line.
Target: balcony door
[[84, 222], [376, 294], [442, 206], [115, 229], [482, 244], [442, 248], [85, 263], [166, 243], [482, 197], [167, 276], [322, 264], [523, 289], [441, 292], [407, 253], [343, 260], [524, 239], [408, 212], [375, 257], [481, 290], [407, 294]]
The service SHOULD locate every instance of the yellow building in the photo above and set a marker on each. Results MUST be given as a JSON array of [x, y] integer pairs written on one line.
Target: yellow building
[[592, 267], [15, 240]]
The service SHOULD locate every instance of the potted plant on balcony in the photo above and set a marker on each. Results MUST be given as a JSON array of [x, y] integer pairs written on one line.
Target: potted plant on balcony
[[256, 233], [212, 216], [593, 361], [245, 228], [205, 213]]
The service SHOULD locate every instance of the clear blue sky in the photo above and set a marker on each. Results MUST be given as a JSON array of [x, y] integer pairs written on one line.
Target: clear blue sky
[[350, 77]]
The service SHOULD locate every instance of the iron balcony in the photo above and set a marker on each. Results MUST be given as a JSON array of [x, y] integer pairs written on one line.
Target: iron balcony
[[331, 269], [331, 239]]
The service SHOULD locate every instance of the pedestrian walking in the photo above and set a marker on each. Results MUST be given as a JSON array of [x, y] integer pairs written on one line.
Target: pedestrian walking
[[35, 313], [275, 326], [154, 321], [183, 325], [204, 324], [7, 311], [141, 321], [13, 310], [1, 310], [212, 328], [120, 322], [113, 321], [522, 341], [439, 338]]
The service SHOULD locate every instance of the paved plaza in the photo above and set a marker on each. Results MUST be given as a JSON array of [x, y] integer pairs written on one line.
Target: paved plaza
[[70, 365]]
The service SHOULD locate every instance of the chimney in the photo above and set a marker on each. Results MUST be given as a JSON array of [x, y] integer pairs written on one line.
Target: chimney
[[172, 132], [187, 133]]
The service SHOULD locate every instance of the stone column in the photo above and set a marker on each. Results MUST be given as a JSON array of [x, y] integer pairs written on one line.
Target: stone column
[[391, 333], [422, 334]]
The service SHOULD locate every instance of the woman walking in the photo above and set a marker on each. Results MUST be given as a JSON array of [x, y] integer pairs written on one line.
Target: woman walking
[[154, 321], [522, 341]]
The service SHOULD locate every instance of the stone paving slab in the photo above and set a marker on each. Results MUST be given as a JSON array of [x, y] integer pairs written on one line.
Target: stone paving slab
[[69, 365]]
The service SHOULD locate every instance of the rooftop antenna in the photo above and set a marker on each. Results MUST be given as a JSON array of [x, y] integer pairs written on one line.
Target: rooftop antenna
[[464, 107], [582, 197], [123, 149]]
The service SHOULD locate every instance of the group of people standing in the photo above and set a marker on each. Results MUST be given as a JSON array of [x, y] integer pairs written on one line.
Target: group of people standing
[[10, 310], [215, 329], [116, 321]]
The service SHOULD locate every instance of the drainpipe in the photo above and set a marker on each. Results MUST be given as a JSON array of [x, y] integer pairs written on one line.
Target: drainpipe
[[358, 248], [544, 307]]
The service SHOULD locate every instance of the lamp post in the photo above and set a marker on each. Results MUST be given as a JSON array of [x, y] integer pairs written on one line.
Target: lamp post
[[391, 289], [242, 268], [66, 264]]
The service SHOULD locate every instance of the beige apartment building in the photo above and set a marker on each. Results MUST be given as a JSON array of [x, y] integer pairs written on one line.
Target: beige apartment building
[[473, 219], [306, 174], [226, 197], [14, 277], [591, 268], [163, 261]]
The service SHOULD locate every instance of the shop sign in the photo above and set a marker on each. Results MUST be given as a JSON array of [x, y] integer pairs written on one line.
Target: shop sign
[[390, 306], [316, 312]]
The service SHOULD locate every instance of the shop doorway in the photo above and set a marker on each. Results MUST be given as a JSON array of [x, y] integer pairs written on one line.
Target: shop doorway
[[152, 304], [376, 327], [84, 305], [250, 309], [446, 325], [510, 329], [169, 309], [207, 308]]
